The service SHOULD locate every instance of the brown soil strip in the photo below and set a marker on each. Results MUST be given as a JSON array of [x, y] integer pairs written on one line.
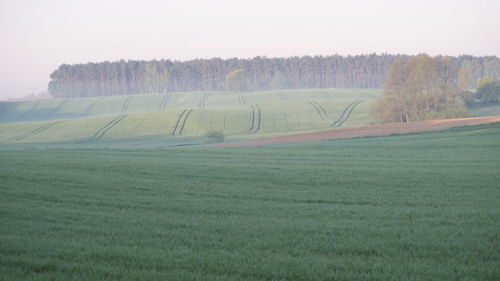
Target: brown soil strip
[[377, 130]]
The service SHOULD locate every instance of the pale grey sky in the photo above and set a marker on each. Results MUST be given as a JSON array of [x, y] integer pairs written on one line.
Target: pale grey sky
[[39, 35]]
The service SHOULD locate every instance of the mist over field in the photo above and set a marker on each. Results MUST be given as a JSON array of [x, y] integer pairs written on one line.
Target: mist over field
[[39, 36]]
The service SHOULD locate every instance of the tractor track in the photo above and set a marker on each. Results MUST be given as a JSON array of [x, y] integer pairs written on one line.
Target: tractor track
[[99, 134], [326, 95], [242, 100], [57, 108], [24, 114], [164, 101], [319, 109], [256, 119], [346, 114], [125, 105], [29, 134], [283, 96], [89, 108], [203, 100], [181, 122], [181, 131]]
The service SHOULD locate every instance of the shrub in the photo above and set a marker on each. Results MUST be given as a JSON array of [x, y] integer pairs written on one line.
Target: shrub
[[214, 136], [488, 90]]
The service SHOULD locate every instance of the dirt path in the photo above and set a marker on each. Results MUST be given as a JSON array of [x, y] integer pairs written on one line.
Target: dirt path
[[377, 130]]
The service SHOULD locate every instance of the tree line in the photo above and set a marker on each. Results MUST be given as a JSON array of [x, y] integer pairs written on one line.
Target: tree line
[[260, 73]]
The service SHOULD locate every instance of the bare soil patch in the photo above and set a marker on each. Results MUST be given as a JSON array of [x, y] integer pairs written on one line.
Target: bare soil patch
[[376, 130]]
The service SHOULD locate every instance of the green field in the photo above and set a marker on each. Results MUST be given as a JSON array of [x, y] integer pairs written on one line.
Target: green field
[[180, 118], [414, 207], [486, 108]]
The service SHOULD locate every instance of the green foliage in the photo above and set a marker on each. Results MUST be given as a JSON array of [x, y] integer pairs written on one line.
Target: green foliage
[[237, 80], [279, 81], [160, 76], [488, 90], [484, 81], [420, 88], [467, 97], [419, 207], [214, 136]]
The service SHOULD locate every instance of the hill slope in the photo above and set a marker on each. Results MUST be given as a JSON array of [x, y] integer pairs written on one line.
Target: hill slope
[[182, 118]]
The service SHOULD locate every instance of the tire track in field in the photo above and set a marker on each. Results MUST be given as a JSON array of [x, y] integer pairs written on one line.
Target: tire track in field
[[99, 134], [203, 100], [30, 134], [319, 109], [283, 96], [57, 108], [181, 131], [242, 100], [164, 101], [181, 123], [24, 114], [89, 108], [256, 119], [326, 95], [345, 114], [125, 105]]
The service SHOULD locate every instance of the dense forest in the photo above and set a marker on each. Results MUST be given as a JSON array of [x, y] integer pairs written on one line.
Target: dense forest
[[158, 76]]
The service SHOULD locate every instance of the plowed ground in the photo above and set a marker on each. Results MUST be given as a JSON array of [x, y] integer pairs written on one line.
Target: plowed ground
[[376, 130]]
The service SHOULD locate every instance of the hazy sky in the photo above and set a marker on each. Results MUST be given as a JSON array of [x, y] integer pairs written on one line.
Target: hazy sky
[[37, 36]]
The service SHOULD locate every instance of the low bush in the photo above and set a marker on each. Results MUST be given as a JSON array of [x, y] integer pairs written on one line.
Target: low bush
[[214, 136]]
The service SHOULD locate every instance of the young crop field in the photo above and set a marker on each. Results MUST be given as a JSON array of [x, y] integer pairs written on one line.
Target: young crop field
[[181, 118], [412, 207]]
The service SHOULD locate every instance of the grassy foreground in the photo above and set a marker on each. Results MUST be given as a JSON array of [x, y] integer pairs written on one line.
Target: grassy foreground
[[415, 207]]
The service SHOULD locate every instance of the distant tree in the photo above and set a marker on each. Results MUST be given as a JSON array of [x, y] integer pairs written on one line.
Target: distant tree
[[279, 81], [420, 88], [133, 77], [237, 80], [488, 90], [484, 81]]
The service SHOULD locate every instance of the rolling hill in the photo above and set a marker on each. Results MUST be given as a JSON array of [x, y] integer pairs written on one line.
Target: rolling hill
[[181, 118]]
